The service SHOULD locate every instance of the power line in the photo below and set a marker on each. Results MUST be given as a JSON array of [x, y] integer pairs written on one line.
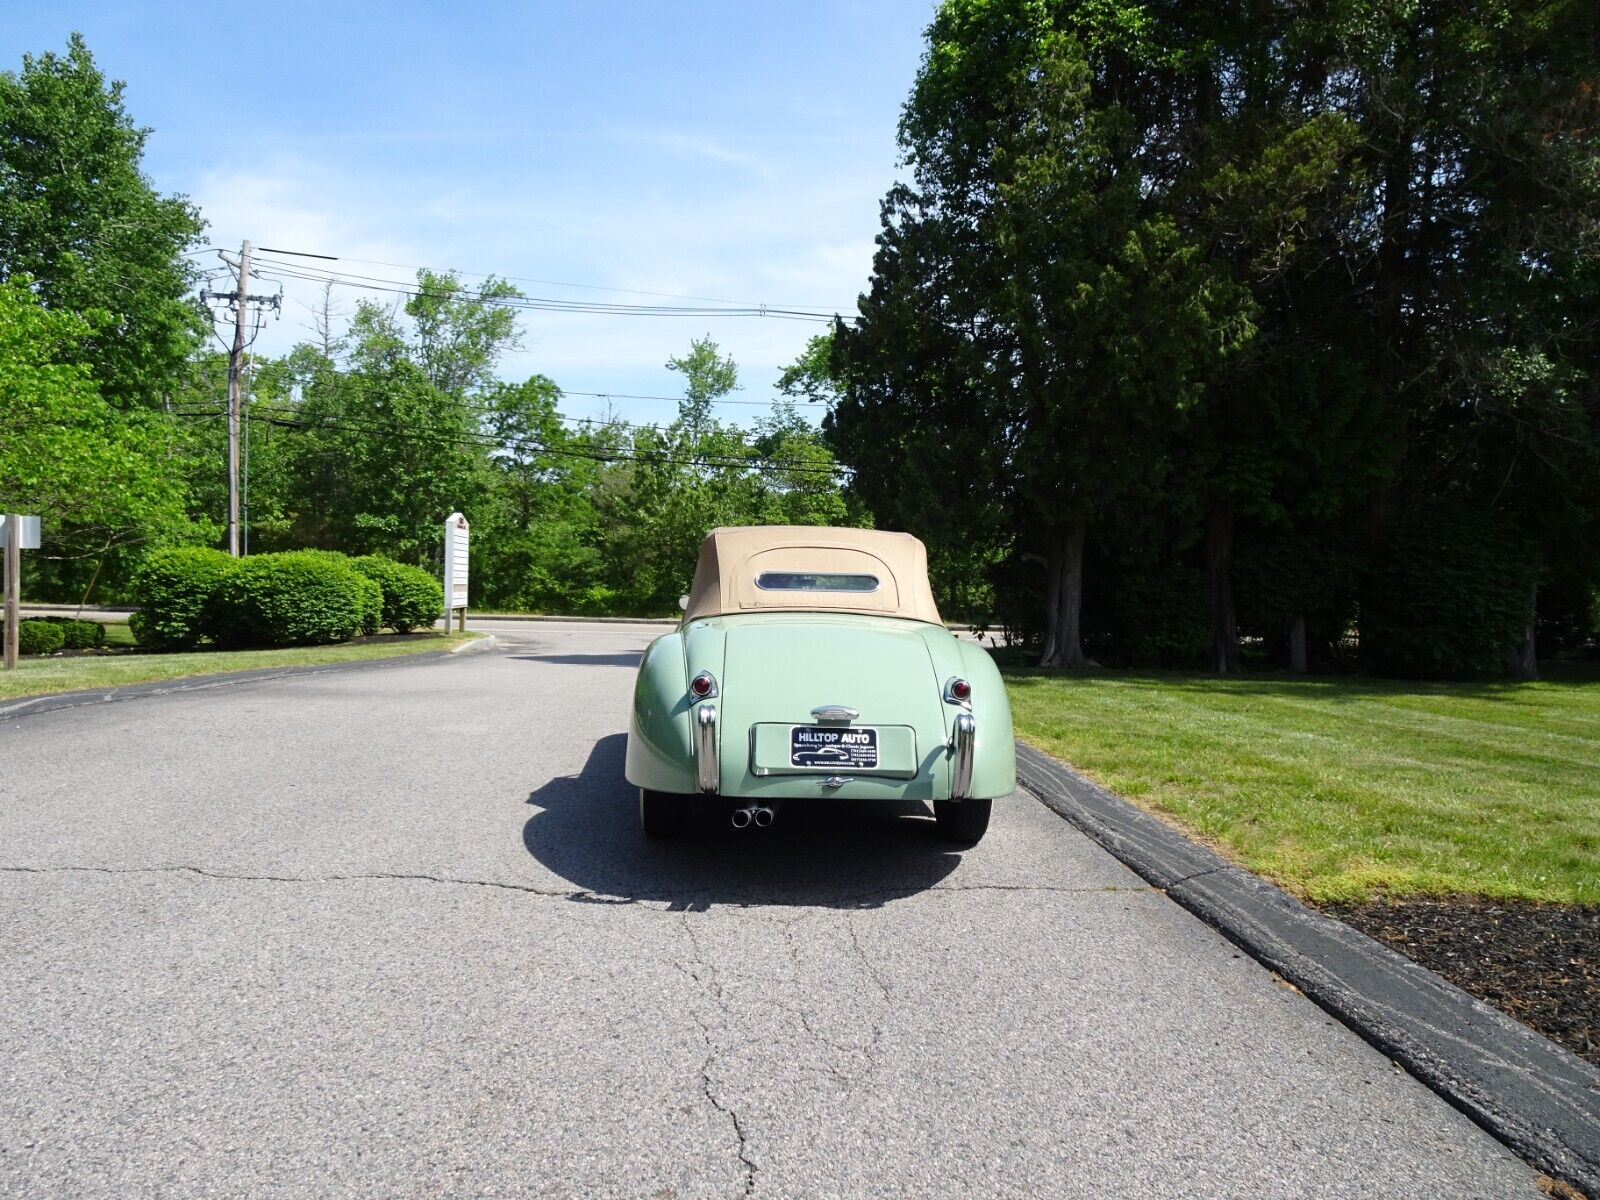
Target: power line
[[484, 410], [587, 287], [295, 419], [672, 399], [617, 421], [375, 283]]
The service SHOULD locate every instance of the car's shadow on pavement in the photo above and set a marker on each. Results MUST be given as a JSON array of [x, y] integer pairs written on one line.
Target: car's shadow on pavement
[[627, 658], [835, 855]]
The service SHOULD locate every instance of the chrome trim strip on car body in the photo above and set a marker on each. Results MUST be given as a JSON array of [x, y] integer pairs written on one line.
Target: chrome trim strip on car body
[[705, 749], [963, 739], [835, 712]]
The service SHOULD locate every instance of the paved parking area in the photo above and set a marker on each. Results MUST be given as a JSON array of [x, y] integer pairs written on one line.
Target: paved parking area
[[394, 930]]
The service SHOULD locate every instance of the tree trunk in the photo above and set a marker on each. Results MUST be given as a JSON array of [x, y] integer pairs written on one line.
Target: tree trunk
[[1070, 614], [1224, 658], [1297, 644], [1052, 605], [1064, 601], [1522, 659]]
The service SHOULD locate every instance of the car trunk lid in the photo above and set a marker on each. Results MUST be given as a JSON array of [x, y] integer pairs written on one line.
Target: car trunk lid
[[778, 670]]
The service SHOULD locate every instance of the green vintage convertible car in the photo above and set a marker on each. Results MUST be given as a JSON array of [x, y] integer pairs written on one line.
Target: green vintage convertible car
[[812, 662]]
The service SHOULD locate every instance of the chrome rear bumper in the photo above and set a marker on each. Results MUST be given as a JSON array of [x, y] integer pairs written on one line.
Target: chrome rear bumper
[[963, 738]]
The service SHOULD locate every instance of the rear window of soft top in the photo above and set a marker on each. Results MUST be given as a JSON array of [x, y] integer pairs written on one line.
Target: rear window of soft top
[[814, 581]]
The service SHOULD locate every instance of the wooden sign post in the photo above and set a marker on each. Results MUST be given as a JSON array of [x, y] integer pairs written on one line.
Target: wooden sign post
[[21, 533], [455, 569]]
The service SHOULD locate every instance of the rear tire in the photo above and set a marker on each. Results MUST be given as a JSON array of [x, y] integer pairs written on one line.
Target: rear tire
[[663, 814], [963, 821]]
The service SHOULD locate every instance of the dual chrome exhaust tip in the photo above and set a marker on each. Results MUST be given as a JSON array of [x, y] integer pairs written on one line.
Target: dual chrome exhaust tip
[[759, 816]]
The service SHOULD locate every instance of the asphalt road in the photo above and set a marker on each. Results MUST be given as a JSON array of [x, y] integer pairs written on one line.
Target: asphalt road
[[394, 931]]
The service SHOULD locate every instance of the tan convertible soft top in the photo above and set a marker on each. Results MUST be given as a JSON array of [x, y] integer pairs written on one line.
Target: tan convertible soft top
[[750, 568]]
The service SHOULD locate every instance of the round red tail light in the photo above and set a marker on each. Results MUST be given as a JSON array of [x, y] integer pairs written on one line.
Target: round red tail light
[[960, 689], [701, 685]]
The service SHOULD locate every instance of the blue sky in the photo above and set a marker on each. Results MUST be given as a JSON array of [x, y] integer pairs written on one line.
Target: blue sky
[[734, 151]]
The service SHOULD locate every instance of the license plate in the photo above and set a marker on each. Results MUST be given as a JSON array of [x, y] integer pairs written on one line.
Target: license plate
[[833, 749]]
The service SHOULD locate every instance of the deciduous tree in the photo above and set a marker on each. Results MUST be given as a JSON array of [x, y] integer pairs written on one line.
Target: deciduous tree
[[78, 216]]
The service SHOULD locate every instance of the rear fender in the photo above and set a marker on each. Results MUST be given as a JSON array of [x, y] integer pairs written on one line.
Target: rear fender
[[994, 766], [661, 754], [660, 746]]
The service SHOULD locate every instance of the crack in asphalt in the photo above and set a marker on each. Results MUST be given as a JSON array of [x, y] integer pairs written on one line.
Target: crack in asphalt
[[872, 973], [802, 1014], [713, 986], [579, 895], [241, 877]]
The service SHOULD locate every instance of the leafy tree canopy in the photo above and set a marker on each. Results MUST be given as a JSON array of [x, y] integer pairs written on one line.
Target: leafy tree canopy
[[78, 216], [65, 453]]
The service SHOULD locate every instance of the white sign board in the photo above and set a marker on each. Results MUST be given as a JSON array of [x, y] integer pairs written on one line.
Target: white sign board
[[455, 561], [27, 528]]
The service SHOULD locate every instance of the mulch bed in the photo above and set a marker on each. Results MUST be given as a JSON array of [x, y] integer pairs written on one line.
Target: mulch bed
[[1538, 962]]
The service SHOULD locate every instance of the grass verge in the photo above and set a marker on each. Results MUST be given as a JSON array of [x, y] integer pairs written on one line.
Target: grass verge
[[1342, 789], [41, 676]]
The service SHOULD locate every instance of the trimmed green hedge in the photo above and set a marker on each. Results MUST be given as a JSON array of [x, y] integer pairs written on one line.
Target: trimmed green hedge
[[174, 589], [412, 598], [371, 604], [79, 634], [300, 598], [371, 594], [38, 636]]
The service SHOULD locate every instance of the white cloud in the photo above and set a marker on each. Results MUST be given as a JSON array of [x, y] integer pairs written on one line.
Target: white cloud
[[800, 239], [696, 146]]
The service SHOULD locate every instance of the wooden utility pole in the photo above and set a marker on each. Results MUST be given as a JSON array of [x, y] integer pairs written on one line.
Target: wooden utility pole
[[238, 304], [241, 299], [13, 587]]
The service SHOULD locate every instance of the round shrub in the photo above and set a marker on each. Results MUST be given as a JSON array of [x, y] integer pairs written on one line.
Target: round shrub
[[371, 604], [39, 637], [371, 595], [412, 598], [300, 598], [174, 589], [80, 635]]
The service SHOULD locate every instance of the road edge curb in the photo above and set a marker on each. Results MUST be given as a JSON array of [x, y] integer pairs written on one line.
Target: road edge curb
[[32, 706], [1540, 1100]]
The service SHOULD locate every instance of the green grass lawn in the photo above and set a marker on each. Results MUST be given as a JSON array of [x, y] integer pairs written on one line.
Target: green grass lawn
[[118, 635], [1340, 788], [38, 676]]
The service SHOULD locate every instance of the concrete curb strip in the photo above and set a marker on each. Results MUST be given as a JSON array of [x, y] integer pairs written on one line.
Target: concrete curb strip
[[33, 706], [1541, 1100]]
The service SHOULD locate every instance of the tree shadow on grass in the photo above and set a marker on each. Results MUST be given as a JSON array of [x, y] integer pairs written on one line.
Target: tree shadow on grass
[[821, 853]]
